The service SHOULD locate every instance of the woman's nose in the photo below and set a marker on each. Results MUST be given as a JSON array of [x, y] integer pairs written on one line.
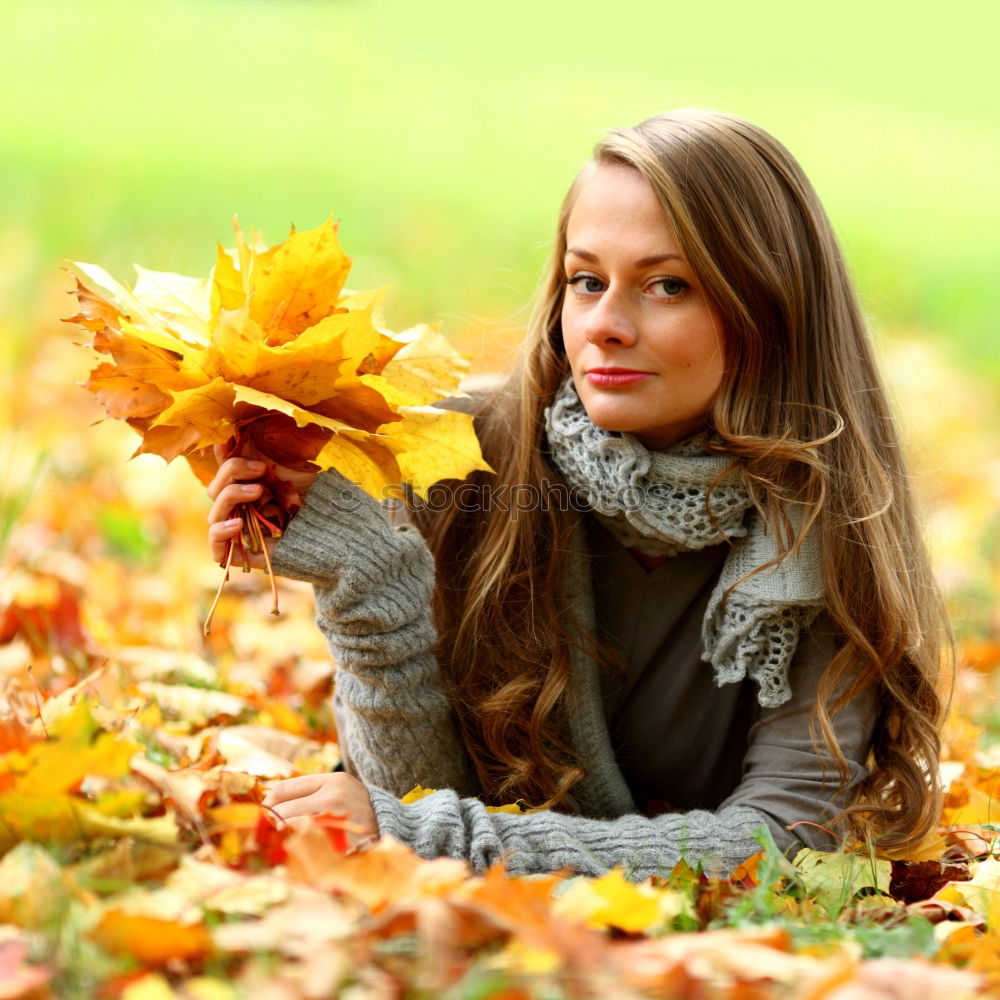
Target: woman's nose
[[610, 321]]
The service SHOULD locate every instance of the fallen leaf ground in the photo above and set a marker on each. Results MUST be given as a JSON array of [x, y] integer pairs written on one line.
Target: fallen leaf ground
[[134, 754]]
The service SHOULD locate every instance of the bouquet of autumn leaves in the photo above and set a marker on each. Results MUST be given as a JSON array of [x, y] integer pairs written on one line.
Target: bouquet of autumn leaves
[[271, 359]]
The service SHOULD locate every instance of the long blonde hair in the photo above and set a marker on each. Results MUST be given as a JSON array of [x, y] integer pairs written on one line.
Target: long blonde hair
[[802, 411]]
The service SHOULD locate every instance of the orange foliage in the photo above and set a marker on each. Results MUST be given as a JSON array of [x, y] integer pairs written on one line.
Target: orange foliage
[[272, 359]]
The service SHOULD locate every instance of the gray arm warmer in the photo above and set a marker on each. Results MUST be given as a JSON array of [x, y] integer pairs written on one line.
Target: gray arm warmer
[[443, 824]]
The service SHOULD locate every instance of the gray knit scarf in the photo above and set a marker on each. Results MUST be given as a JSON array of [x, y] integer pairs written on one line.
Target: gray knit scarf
[[656, 502]]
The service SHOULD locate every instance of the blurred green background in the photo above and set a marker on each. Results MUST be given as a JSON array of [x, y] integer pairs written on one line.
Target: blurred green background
[[444, 134]]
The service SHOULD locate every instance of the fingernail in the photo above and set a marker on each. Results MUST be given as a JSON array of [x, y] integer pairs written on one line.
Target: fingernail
[[255, 466], [231, 523], [250, 488]]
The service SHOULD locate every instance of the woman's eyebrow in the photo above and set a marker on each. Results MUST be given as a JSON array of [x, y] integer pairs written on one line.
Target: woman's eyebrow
[[642, 262]]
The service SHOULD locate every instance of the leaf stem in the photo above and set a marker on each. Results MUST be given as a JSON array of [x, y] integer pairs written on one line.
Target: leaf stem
[[38, 700], [274, 529], [230, 548], [256, 520]]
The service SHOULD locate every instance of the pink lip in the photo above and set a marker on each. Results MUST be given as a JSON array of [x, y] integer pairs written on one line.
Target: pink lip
[[610, 378]]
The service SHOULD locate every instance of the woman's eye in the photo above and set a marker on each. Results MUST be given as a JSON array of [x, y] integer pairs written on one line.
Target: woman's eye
[[669, 287], [586, 283]]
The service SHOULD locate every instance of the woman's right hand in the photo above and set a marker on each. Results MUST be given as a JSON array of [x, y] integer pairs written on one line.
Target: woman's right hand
[[233, 484]]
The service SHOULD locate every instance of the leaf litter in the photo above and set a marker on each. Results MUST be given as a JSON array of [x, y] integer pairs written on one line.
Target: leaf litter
[[138, 860]]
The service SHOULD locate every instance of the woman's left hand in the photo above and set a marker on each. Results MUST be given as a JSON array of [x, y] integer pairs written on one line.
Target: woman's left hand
[[335, 793]]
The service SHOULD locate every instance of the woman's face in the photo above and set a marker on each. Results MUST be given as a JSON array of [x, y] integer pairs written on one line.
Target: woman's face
[[644, 343]]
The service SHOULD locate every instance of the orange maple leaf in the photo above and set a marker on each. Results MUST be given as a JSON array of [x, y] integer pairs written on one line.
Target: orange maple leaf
[[151, 940]]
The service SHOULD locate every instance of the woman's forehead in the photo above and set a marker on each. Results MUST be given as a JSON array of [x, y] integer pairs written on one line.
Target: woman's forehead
[[614, 201]]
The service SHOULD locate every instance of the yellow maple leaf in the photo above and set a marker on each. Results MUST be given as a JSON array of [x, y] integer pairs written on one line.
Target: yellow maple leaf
[[372, 467], [432, 444], [208, 410], [416, 793], [58, 765], [979, 892], [41, 799], [424, 370], [611, 901], [290, 286], [181, 301]]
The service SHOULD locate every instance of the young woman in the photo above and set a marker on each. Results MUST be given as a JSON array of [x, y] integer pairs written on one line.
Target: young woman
[[693, 601]]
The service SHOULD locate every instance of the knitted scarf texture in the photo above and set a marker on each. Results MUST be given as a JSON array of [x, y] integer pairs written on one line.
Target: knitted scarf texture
[[658, 502]]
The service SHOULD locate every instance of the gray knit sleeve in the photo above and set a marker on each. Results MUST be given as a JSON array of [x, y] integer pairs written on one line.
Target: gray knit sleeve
[[788, 779], [443, 824], [373, 586]]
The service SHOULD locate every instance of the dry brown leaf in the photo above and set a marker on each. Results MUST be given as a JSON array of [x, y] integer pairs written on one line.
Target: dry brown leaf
[[387, 872]]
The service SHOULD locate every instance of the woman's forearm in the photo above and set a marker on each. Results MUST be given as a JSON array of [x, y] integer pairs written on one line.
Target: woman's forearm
[[374, 585], [444, 824]]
